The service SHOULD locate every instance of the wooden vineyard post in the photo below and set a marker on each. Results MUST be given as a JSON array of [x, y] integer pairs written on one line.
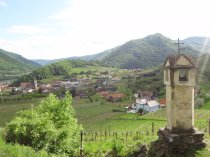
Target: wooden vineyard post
[[116, 135], [109, 131], [85, 136], [92, 135], [153, 129], [100, 136], [81, 147], [147, 132], [122, 137], [105, 134], [95, 136], [209, 126], [199, 125]]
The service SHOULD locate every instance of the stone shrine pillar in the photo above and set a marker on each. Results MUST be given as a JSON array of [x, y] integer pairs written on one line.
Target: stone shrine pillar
[[180, 80], [179, 136]]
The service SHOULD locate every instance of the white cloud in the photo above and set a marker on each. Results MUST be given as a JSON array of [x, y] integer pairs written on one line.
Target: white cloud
[[27, 29], [2, 3], [86, 27], [121, 20]]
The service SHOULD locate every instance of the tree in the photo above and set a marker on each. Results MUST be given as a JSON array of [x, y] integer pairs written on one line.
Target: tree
[[141, 111], [51, 126]]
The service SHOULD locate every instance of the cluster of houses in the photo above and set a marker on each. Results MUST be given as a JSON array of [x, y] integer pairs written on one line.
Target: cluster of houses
[[145, 102], [103, 85], [112, 96], [28, 87], [4, 87], [83, 86]]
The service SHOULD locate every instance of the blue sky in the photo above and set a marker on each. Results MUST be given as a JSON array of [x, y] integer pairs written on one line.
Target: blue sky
[[62, 28]]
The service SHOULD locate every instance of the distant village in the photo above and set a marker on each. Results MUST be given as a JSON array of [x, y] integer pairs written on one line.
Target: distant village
[[103, 85]]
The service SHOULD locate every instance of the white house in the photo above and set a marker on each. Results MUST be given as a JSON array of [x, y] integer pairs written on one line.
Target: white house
[[146, 105]]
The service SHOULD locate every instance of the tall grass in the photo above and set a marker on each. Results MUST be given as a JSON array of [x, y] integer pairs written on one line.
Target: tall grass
[[9, 150]]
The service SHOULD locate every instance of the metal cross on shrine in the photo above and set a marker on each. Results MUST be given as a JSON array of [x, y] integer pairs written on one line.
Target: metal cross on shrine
[[178, 43]]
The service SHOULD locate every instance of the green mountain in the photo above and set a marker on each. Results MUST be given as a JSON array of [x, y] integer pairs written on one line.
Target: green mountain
[[203, 63], [99, 56], [12, 64], [41, 61], [94, 57], [146, 52], [141, 53], [201, 44]]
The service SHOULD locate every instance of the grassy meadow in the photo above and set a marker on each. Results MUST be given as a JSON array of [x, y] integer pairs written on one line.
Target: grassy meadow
[[102, 126], [9, 150], [9, 108]]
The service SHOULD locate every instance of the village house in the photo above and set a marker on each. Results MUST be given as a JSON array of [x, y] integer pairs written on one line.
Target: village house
[[26, 85], [115, 96], [103, 93], [144, 104], [112, 96], [147, 105], [55, 85], [4, 87]]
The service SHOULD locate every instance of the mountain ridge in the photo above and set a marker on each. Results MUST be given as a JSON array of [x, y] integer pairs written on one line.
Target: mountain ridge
[[142, 53], [12, 65], [145, 52]]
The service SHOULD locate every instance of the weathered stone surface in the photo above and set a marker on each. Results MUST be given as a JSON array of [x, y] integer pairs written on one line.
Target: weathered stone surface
[[198, 136], [188, 139], [170, 144], [141, 152]]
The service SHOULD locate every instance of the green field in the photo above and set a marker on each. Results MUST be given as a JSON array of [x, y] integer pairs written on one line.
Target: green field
[[102, 125], [8, 109], [96, 116]]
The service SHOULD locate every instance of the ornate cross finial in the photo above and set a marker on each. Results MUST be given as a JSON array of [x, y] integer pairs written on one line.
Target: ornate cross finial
[[178, 43]]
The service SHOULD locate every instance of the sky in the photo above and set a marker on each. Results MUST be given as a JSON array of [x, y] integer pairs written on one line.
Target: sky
[[50, 29]]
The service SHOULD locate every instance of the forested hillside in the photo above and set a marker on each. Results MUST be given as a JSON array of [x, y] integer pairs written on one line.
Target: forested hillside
[[203, 63], [61, 68], [201, 44], [12, 64], [147, 52]]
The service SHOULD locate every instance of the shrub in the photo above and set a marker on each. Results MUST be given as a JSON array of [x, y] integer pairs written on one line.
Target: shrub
[[199, 102], [141, 111], [51, 126], [95, 98]]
